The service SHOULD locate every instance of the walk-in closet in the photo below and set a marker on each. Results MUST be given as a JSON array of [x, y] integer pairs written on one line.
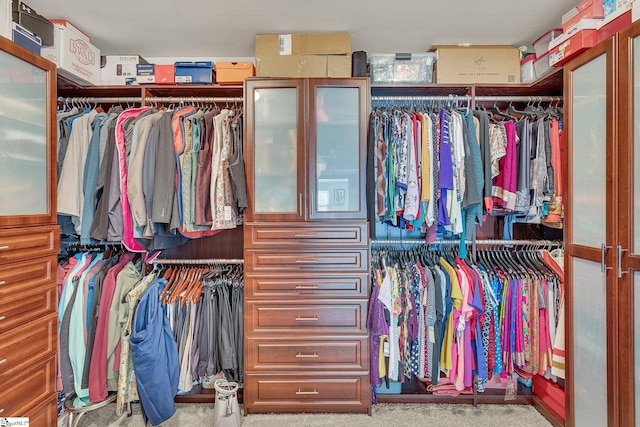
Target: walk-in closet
[[287, 209]]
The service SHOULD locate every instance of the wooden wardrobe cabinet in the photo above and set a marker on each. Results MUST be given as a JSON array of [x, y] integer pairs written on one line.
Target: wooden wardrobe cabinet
[[306, 246], [602, 241], [29, 237]]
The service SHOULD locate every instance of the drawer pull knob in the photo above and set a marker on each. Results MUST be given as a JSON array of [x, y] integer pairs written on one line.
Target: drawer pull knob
[[307, 261], [301, 318], [4, 248], [1, 410], [3, 361], [2, 317], [297, 286], [315, 391], [303, 356], [305, 236], [2, 282]]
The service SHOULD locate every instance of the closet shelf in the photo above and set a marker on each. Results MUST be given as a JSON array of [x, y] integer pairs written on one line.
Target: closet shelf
[[550, 84], [67, 88]]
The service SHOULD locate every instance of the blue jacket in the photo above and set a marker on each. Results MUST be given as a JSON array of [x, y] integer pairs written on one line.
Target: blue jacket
[[155, 356]]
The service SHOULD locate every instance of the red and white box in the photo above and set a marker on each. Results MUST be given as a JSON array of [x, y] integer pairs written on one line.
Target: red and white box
[[615, 22], [587, 9], [579, 38], [74, 55]]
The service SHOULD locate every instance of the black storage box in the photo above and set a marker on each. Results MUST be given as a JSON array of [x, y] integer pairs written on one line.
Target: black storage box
[[28, 18]]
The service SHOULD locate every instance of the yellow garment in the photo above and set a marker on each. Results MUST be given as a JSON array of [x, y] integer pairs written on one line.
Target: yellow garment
[[425, 163], [382, 367], [446, 357]]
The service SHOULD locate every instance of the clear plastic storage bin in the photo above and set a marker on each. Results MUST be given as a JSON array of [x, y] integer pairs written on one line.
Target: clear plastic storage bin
[[541, 45], [527, 69], [402, 67], [542, 65]]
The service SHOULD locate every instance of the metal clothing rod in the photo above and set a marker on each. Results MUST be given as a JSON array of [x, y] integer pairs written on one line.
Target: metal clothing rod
[[138, 99], [203, 261], [205, 99], [546, 98], [452, 98], [379, 242], [98, 100]]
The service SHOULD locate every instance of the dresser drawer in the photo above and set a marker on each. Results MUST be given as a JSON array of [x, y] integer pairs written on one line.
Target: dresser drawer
[[44, 414], [27, 275], [21, 346], [22, 244], [329, 354], [308, 235], [317, 260], [302, 393], [318, 316], [345, 285], [20, 393], [28, 305]]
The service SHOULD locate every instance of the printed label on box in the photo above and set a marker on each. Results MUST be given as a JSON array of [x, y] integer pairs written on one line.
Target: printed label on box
[[284, 42], [184, 79]]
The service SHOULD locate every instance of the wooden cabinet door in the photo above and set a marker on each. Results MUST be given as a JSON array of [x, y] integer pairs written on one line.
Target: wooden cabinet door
[[275, 149], [27, 138], [628, 245], [591, 299], [337, 148]]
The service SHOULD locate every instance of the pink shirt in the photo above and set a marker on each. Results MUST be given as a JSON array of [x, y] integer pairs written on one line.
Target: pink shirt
[[127, 236]]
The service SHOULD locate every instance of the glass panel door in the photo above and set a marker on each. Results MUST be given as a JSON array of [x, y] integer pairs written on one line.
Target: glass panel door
[[590, 237], [275, 129], [336, 151], [24, 163]]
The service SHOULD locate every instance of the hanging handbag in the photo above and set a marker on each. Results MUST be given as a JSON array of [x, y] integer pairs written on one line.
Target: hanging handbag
[[226, 412]]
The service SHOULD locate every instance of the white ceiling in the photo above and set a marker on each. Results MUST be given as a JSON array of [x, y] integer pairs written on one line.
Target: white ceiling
[[206, 28]]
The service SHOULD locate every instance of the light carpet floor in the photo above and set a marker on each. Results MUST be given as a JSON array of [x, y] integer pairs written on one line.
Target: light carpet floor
[[384, 414]]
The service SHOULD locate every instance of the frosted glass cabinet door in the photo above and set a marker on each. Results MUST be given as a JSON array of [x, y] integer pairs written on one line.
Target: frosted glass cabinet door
[[590, 237], [275, 150], [336, 150], [23, 138], [589, 147], [589, 343], [27, 137]]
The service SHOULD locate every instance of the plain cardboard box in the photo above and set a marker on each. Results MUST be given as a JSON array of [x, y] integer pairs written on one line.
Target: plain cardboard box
[[477, 64], [116, 70], [74, 55], [304, 66], [234, 73], [303, 55]]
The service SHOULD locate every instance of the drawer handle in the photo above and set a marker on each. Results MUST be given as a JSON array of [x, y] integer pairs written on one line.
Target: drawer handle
[[4, 248], [297, 286], [300, 318], [3, 361], [305, 236], [307, 261], [1, 410], [2, 317], [303, 356], [315, 391], [2, 282]]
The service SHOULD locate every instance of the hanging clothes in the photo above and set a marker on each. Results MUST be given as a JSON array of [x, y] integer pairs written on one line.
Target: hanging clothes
[[450, 320], [438, 168], [150, 178]]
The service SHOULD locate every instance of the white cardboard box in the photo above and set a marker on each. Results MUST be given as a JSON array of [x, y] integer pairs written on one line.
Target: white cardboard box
[[74, 55], [119, 69]]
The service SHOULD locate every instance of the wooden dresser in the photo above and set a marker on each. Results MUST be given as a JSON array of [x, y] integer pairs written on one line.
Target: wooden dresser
[[306, 247], [29, 238]]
